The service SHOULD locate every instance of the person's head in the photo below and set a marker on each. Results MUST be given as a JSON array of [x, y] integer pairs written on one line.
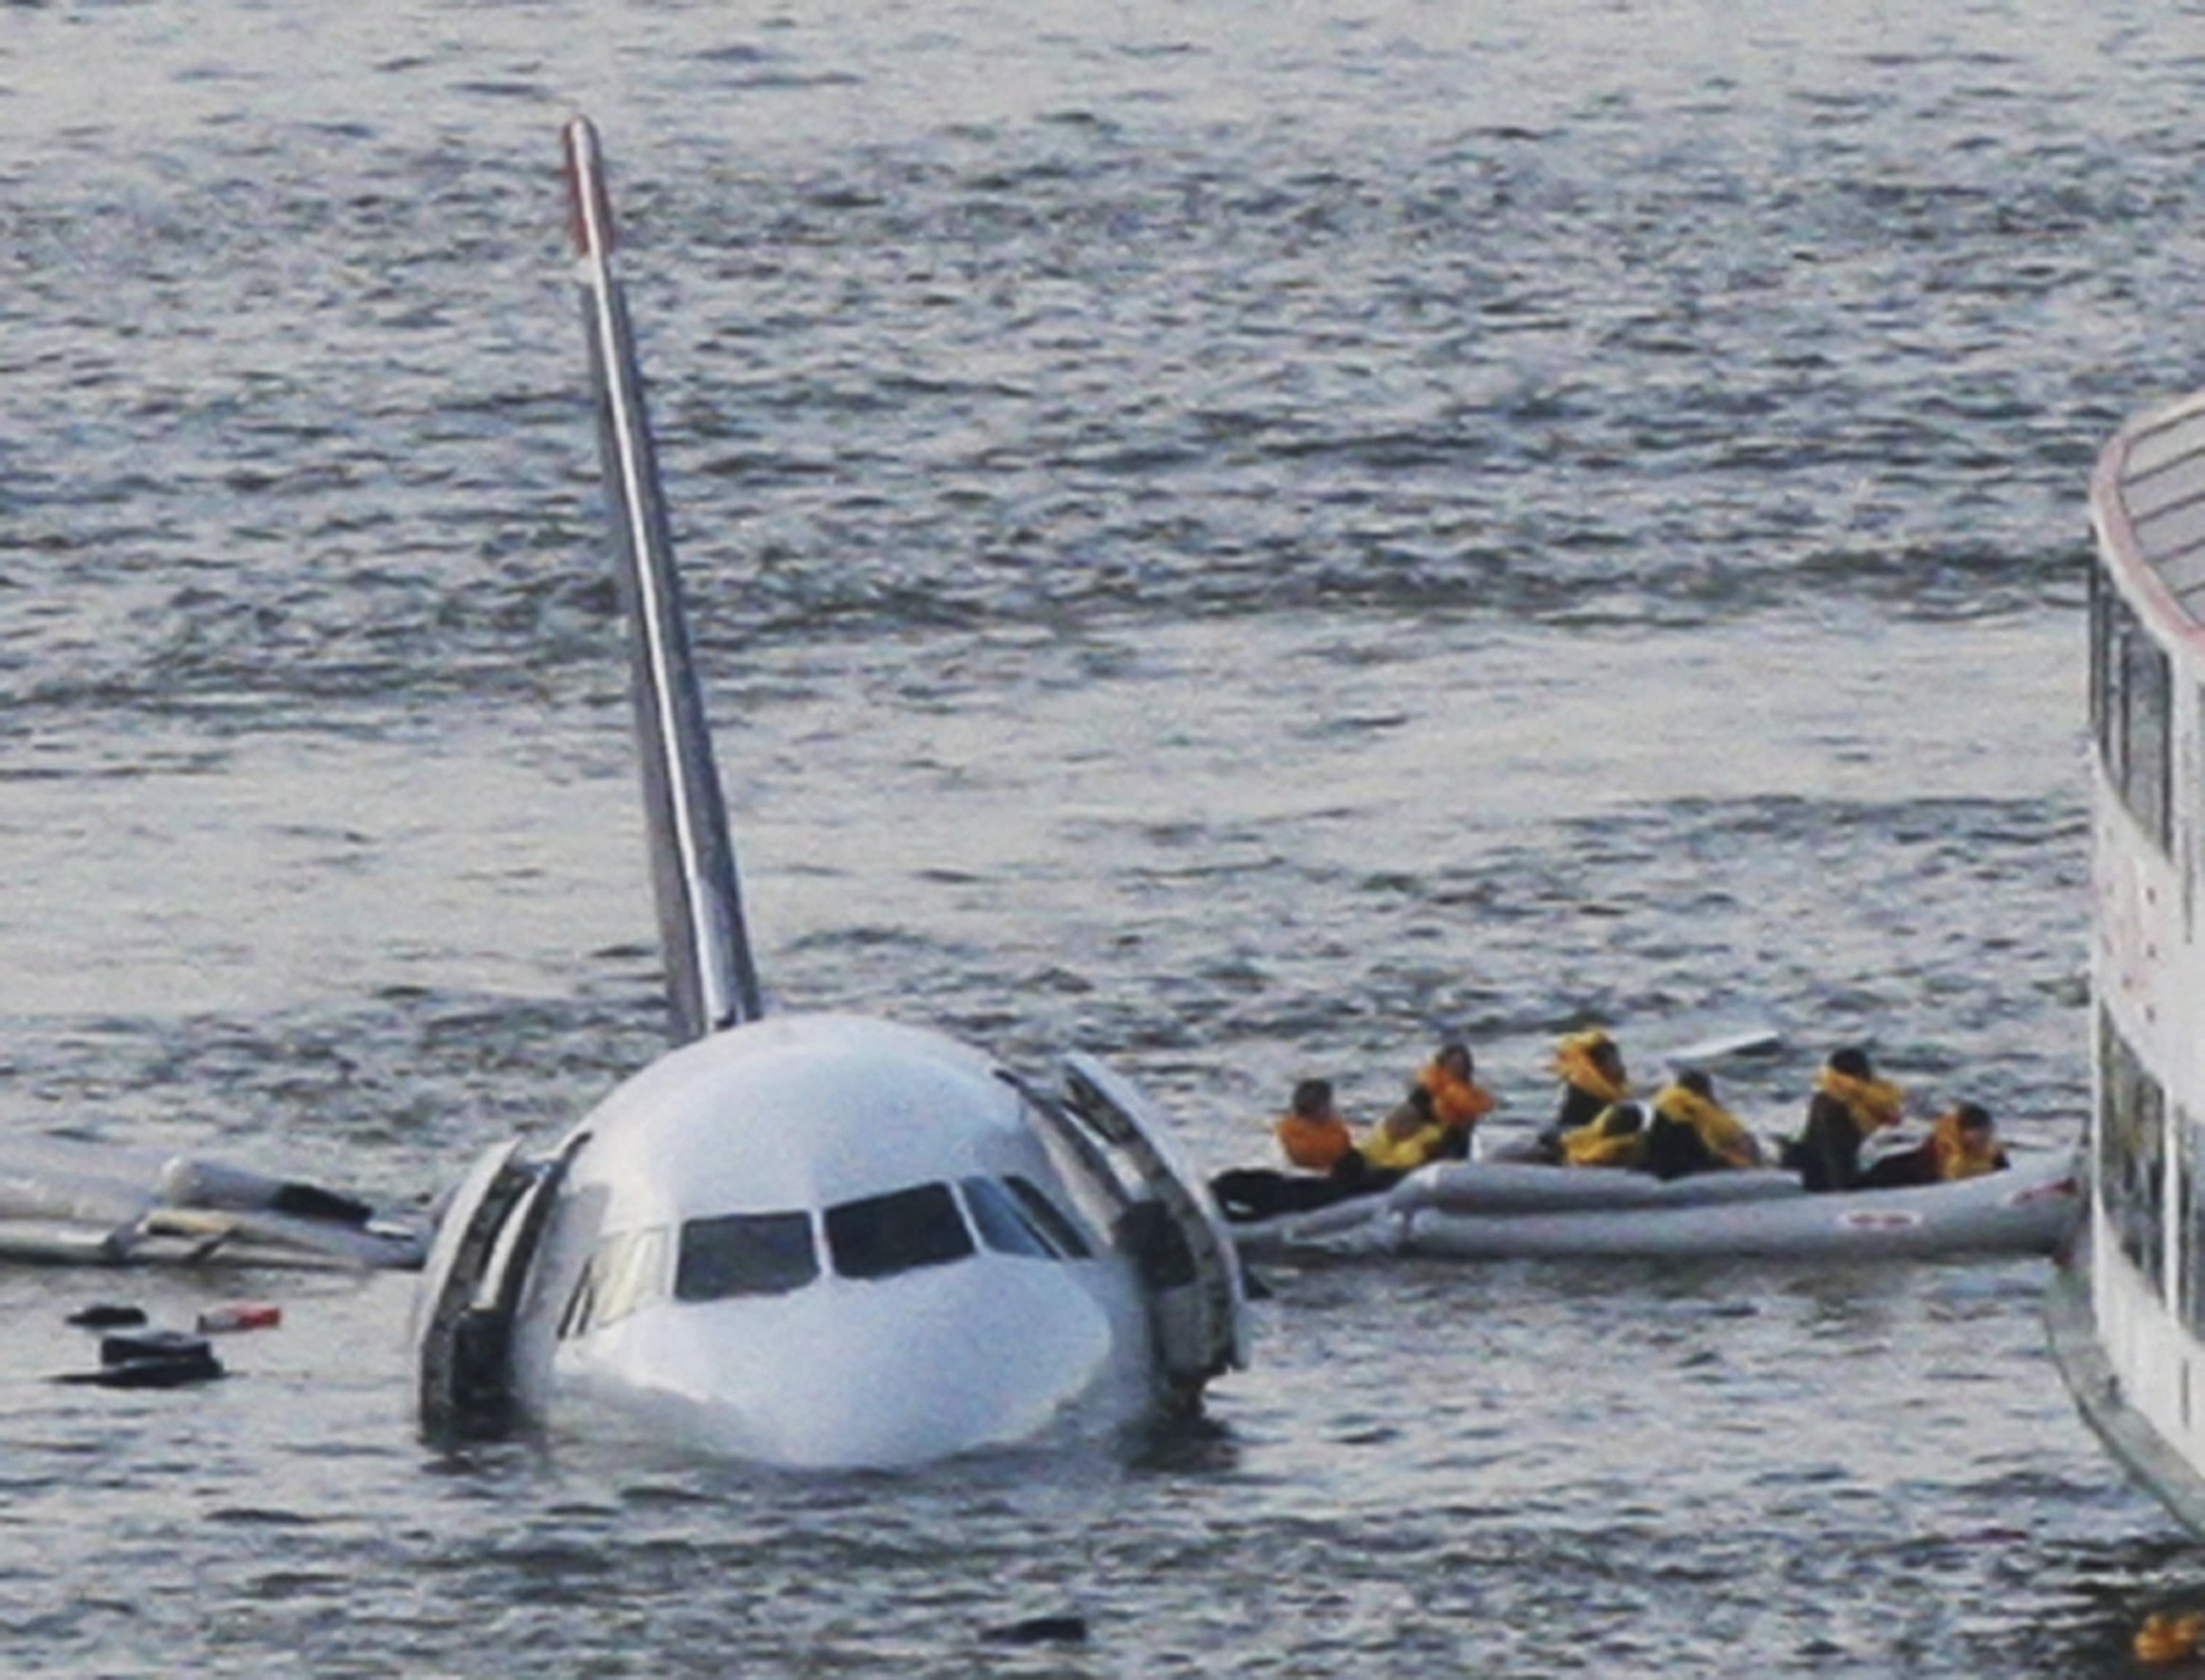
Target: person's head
[[1605, 1056], [1312, 1098], [1697, 1083], [1975, 1121], [1454, 1056], [1852, 1062]]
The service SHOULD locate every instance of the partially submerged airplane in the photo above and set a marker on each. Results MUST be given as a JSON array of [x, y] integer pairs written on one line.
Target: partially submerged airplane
[[813, 1241]]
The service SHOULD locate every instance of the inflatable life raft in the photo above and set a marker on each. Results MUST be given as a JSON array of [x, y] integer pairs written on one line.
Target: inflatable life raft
[[1504, 1210]]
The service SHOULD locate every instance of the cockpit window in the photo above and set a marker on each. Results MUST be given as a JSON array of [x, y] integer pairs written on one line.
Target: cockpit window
[[627, 1273], [745, 1254], [1003, 1225], [882, 1235], [1045, 1214]]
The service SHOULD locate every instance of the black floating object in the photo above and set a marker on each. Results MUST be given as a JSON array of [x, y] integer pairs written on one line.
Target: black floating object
[[107, 1315], [153, 1344], [151, 1359], [176, 1372], [1040, 1630]]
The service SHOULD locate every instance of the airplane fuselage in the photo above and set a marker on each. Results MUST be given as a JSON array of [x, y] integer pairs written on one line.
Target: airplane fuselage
[[824, 1240]]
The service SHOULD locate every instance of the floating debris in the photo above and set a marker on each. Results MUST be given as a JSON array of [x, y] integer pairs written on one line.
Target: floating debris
[[1040, 1630], [2165, 1639], [107, 1315], [151, 1359], [240, 1316]]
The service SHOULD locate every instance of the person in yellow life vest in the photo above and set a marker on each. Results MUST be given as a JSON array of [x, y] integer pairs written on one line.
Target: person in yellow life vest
[[1311, 1132], [1410, 1136], [1963, 1144], [1591, 1071], [1850, 1106], [1616, 1137], [1458, 1102], [1690, 1132]]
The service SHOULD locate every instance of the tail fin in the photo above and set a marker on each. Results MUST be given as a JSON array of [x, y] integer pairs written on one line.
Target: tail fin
[[711, 982]]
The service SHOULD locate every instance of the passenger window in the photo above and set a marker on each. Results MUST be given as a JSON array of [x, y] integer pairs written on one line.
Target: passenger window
[[2131, 1153], [882, 1235], [2148, 683], [1054, 1223], [2133, 709], [1003, 1225], [745, 1254]]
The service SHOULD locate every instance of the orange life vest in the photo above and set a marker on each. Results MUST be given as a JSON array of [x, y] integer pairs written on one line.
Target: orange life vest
[[1318, 1143], [1457, 1104]]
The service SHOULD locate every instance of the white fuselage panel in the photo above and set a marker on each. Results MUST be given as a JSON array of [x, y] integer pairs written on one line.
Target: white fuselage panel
[[875, 1358]]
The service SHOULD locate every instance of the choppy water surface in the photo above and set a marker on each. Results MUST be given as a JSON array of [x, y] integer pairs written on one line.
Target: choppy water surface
[[1237, 537]]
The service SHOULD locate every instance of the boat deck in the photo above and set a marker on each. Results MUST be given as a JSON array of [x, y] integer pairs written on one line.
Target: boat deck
[[2149, 498]]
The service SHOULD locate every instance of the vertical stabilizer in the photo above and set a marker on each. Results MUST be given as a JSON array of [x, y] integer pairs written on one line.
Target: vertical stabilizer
[[710, 980]]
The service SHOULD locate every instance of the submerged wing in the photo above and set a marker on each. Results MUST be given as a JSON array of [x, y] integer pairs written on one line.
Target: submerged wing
[[710, 980]]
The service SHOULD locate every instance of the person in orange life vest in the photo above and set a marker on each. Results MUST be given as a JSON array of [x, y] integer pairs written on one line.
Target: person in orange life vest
[[1594, 1081], [1311, 1132], [1963, 1144], [1318, 1141], [1459, 1101], [1850, 1106]]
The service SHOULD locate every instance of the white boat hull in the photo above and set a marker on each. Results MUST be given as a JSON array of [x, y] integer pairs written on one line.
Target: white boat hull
[[2029, 1209]]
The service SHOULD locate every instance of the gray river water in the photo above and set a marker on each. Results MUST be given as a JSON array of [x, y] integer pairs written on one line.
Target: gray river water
[[1240, 538]]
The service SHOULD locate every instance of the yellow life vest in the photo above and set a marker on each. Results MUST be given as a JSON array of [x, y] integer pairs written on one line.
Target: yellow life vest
[[1574, 1063], [1873, 1104], [1616, 1137], [1956, 1155], [1404, 1140], [1727, 1140]]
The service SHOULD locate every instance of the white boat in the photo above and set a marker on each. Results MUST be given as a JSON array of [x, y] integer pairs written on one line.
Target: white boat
[[809, 1241], [2127, 1312], [1503, 1210]]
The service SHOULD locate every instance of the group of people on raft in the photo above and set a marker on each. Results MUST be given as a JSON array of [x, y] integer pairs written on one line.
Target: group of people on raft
[[1680, 1130]]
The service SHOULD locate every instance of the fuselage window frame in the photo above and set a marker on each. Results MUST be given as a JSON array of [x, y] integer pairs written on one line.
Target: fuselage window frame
[[879, 1236], [729, 1256], [627, 1271], [1059, 1226], [1004, 1225]]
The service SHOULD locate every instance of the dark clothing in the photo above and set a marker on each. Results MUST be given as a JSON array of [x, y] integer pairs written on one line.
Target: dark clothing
[[1827, 1155], [1675, 1150], [1249, 1193], [1901, 1168], [1917, 1165], [1580, 1108]]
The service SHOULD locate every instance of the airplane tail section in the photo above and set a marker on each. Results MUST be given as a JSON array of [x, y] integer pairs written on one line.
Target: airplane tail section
[[711, 982]]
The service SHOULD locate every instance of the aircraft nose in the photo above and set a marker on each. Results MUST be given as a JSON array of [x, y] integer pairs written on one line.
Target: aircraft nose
[[887, 1374]]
